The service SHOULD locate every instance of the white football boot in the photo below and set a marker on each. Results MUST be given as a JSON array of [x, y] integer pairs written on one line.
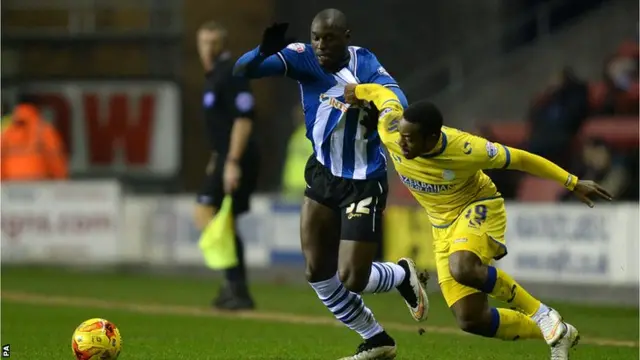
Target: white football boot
[[551, 326], [571, 337], [418, 284]]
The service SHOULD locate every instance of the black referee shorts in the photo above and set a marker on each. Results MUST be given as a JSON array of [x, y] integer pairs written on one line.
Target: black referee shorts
[[212, 191], [360, 203]]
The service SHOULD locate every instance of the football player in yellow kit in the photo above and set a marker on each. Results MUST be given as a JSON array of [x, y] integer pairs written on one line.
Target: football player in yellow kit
[[442, 167]]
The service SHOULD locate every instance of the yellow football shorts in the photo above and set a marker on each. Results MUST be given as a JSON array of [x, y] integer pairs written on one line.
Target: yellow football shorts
[[480, 228]]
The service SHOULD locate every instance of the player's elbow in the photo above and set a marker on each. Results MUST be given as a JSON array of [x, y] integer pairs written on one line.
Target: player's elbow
[[240, 68], [401, 97]]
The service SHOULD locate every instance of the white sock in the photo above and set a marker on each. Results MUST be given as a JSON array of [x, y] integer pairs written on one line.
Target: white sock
[[384, 277], [347, 307]]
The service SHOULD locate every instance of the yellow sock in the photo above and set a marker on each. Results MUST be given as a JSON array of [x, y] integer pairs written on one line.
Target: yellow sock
[[514, 325], [504, 288]]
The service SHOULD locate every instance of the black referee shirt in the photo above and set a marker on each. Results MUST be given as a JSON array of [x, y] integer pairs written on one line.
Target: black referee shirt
[[226, 98]]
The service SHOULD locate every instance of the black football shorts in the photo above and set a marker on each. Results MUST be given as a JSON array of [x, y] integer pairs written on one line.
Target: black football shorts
[[359, 202]]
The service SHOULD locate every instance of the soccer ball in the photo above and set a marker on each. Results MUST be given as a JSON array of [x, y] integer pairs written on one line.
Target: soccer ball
[[96, 339]]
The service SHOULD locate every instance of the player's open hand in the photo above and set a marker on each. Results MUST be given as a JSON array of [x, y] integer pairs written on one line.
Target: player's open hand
[[274, 39], [586, 190]]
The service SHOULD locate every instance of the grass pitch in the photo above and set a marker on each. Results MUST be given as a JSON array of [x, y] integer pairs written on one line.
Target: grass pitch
[[167, 317]]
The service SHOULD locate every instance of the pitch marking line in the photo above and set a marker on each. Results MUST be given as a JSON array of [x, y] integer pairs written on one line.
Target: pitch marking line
[[158, 309]]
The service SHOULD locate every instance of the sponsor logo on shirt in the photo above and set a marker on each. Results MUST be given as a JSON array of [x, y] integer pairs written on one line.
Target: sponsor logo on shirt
[[467, 148], [492, 149], [382, 71], [297, 47], [420, 186], [334, 103], [448, 175]]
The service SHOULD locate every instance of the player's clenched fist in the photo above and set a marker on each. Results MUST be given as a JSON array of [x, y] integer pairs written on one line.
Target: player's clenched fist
[[274, 40], [351, 98], [370, 120], [350, 94]]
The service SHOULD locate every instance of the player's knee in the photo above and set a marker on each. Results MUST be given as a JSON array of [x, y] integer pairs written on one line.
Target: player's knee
[[311, 275], [466, 269], [315, 273], [353, 280], [462, 273], [316, 267]]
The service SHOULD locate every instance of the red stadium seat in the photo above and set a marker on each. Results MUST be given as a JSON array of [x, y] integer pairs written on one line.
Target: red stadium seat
[[629, 48], [509, 133], [534, 189], [619, 132], [597, 95]]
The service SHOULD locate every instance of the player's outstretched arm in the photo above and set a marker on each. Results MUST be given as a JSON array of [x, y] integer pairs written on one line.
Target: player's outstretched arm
[[262, 61], [253, 65], [541, 167], [377, 118], [385, 106], [382, 97], [384, 100]]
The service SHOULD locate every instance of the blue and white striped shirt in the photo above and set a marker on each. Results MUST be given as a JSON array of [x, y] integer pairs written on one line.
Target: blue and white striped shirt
[[339, 141]]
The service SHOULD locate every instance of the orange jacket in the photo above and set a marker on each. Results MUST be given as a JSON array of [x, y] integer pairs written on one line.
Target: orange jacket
[[31, 148]]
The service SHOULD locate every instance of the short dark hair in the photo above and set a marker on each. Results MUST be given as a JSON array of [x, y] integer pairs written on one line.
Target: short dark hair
[[427, 115]]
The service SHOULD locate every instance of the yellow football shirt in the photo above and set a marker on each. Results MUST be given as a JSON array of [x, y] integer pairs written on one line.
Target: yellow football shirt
[[449, 178]]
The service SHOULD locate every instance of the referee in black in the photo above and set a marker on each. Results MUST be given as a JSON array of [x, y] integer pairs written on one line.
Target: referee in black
[[233, 167]]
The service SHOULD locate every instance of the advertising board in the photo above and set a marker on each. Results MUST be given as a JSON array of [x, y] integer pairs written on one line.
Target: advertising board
[[61, 222]]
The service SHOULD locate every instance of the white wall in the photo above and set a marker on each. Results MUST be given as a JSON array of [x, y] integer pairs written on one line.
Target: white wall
[[92, 223]]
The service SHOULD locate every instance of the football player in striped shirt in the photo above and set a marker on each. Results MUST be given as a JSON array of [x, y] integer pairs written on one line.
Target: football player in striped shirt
[[442, 167], [346, 176]]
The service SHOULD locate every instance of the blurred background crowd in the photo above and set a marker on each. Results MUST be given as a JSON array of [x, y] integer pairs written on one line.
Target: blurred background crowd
[[113, 88], [586, 124]]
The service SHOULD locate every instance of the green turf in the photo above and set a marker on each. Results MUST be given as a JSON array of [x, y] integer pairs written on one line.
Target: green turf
[[43, 332]]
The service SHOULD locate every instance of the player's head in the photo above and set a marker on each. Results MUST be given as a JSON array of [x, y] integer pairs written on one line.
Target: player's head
[[212, 40], [330, 37], [419, 129]]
